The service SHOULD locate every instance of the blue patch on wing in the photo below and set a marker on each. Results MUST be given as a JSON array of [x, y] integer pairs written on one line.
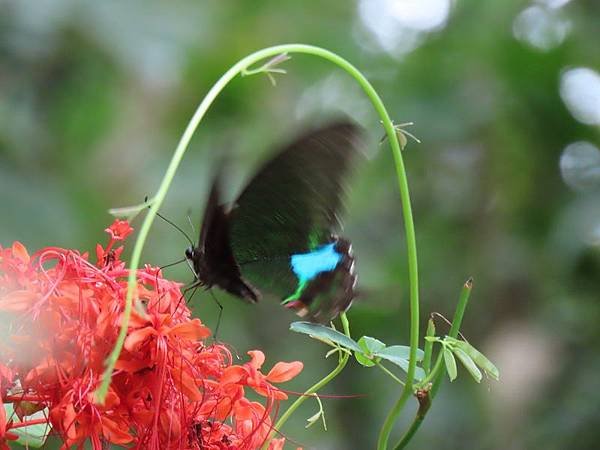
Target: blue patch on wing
[[308, 265]]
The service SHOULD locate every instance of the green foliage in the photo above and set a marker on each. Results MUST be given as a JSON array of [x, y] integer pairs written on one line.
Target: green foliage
[[368, 351], [32, 436], [471, 358]]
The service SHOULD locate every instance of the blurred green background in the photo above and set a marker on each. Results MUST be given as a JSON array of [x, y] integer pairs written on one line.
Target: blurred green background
[[506, 99]]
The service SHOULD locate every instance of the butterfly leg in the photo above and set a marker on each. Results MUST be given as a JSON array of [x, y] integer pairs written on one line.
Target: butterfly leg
[[212, 294], [192, 287]]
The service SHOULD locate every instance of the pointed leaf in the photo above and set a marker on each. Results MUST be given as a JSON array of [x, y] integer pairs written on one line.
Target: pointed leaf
[[403, 364], [450, 364], [400, 351], [370, 345], [312, 419], [331, 352], [468, 363], [489, 368], [428, 346], [325, 333], [364, 359]]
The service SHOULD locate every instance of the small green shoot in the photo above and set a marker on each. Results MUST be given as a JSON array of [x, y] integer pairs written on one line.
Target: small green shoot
[[402, 134], [269, 68], [471, 358], [319, 414]]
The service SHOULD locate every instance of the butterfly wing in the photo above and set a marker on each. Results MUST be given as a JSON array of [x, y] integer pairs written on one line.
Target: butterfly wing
[[213, 259], [292, 206]]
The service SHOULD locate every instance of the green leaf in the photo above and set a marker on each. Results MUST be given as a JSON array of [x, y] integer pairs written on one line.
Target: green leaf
[[364, 360], [32, 435], [468, 363], [450, 364], [403, 364], [478, 357], [325, 334], [368, 346], [313, 419], [399, 351], [331, 352], [320, 414], [428, 346]]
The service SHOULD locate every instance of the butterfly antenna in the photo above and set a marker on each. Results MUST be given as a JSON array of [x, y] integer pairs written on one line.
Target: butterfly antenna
[[189, 218], [171, 223], [176, 227]]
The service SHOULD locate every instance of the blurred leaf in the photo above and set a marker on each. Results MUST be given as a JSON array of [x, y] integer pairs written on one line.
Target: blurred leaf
[[468, 363], [400, 351], [450, 363], [319, 414], [479, 358], [368, 346], [403, 364], [399, 355], [325, 334], [428, 345]]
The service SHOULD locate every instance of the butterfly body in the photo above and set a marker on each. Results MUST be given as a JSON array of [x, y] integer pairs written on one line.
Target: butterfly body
[[278, 236]]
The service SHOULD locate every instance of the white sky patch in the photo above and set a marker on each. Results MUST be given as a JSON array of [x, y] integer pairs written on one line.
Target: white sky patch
[[554, 4], [580, 90], [541, 28], [580, 166], [399, 26]]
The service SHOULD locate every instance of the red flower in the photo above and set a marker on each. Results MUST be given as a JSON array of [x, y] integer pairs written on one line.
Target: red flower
[[59, 320], [119, 230]]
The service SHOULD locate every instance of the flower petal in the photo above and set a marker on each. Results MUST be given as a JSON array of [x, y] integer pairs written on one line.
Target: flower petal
[[277, 444], [186, 383], [283, 371], [257, 358], [137, 337], [233, 374], [114, 432], [193, 330], [119, 230], [19, 251]]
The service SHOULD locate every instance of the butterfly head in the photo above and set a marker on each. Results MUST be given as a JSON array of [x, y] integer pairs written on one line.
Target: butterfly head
[[197, 261], [190, 253]]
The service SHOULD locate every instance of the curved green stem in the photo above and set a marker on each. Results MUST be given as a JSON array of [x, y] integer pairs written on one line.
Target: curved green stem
[[314, 388], [236, 69]]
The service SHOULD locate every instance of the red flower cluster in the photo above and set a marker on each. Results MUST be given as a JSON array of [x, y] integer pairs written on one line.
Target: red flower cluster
[[59, 319]]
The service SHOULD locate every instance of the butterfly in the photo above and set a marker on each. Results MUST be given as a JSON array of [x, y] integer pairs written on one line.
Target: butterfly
[[278, 236]]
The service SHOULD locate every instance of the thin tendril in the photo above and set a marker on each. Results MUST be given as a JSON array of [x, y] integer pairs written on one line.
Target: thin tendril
[[182, 146]]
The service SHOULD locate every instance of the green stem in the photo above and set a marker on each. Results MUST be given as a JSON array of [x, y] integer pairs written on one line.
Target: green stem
[[314, 388], [388, 372], [437, 372], [463, 300], [433, 374], [236, 69], [408, 435]]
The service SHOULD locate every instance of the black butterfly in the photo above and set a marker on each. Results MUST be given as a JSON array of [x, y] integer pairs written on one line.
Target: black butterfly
[[278, 236]]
